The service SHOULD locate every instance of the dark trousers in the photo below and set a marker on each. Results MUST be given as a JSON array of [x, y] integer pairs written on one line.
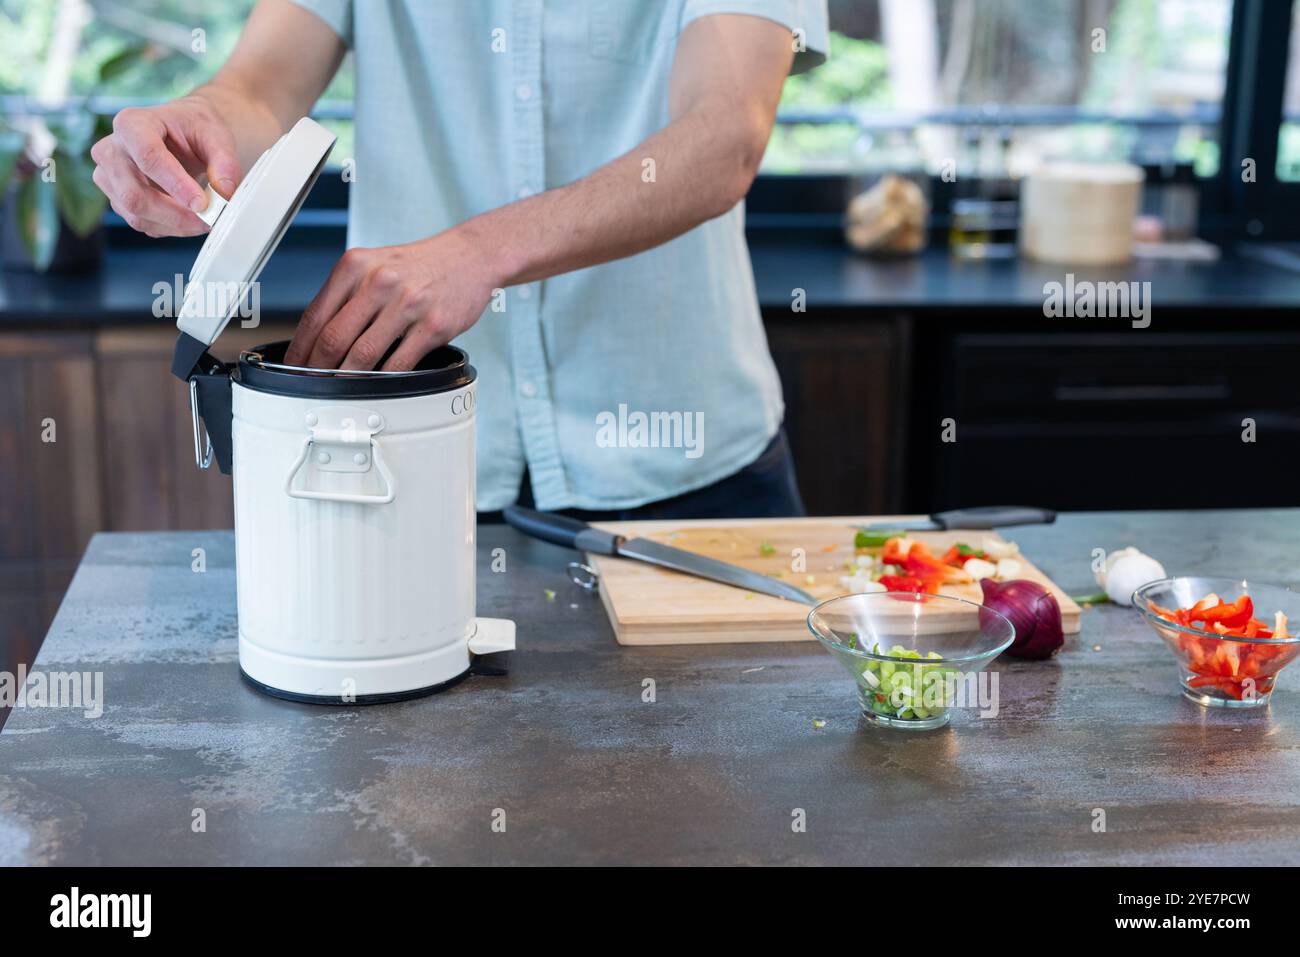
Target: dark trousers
[[765, 488]]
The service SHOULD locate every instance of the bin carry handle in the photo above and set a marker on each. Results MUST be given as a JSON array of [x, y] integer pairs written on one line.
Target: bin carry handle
[[376, 455]]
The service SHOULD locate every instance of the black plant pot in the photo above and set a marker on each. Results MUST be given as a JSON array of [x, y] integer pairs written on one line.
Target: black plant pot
[[72, 253]]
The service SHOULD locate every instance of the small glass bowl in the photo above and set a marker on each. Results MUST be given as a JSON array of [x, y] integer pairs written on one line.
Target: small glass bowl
[[953, 637], [1220, 671]]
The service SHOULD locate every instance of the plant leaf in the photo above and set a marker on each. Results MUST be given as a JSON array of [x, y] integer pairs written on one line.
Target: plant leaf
[[121, 61], [80, 200], [103, 126], [73, 132], [38, 220]]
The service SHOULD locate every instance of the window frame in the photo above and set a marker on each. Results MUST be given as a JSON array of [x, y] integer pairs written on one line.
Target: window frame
[[1250, 128]]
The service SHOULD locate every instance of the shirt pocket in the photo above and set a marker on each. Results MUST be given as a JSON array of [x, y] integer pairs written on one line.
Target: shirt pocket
[[630, 32]]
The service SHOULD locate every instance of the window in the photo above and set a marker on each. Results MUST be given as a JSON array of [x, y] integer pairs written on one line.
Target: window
[[53, 50], [912, 83]]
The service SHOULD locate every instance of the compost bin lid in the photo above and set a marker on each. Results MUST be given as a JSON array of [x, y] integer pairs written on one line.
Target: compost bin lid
[[245, 232]]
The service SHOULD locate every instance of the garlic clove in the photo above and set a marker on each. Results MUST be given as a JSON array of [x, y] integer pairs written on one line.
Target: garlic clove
[[1129, 573], [1008, 568], [997, 548]]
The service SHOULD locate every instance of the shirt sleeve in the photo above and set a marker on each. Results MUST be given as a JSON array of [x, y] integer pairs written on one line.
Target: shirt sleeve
[[337, 15], [807, 19]]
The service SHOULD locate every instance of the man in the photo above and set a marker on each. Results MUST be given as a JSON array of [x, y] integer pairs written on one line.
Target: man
[[554, 185]]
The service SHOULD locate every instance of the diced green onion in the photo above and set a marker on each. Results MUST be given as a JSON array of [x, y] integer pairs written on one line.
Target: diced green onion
[[866, 539]]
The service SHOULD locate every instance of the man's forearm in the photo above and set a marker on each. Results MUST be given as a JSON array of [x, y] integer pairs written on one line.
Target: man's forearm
[[694, 169], [284, 59], [722, 99]]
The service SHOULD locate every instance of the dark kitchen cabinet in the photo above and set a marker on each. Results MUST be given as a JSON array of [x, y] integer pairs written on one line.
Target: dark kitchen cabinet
[[50, 501], [1127, 420], [845, 382], [94, 436], [149, 478]]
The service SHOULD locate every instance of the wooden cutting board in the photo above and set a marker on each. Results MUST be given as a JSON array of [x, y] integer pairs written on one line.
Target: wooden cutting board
[[648, 605]]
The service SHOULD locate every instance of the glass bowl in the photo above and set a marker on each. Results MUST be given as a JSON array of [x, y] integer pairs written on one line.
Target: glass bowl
[[1214, 670], [909, 653]]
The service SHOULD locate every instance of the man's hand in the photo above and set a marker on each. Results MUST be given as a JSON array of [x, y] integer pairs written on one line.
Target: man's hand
[[147, 167], [424, 293]]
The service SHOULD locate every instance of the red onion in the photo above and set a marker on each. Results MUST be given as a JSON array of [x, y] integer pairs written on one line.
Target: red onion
[[1034, 612]]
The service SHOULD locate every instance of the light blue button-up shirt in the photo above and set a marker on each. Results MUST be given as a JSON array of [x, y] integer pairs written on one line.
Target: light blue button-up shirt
[[617, 385]]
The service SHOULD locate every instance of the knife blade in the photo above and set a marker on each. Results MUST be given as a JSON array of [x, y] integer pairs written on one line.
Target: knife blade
[[645, 550], [980, 518], [572, 533]]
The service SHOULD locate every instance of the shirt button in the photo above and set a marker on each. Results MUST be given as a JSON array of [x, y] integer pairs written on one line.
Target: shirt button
[[525, 292], [523, 92], [525, 192], [528, 389]]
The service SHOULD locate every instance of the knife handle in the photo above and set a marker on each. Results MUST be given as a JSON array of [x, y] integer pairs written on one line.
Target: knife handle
[[561, 530], [993, 516]]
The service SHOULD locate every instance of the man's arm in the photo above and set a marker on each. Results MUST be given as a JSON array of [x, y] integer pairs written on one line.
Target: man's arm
[[148, 165], [723, 93], [722, 98]]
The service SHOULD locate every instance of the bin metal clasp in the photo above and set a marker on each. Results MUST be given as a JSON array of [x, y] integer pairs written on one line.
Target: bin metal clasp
[[203, 446], [584, 576]]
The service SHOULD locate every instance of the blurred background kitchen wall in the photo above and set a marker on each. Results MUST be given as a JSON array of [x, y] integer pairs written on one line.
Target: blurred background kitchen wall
[[909, 321]]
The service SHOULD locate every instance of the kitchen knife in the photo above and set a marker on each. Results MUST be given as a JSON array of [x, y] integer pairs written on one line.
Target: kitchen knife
[[571, 533], [982, 517]]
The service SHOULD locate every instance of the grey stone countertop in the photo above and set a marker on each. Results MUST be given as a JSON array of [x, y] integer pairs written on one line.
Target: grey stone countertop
[[586, 772]]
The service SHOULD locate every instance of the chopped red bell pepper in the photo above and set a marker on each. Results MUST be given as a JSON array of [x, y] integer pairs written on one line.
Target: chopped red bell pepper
[[925, 565], [956, 557], [907, 583], [918, 566], [1219, 662], [1234, 615], [893, 554]]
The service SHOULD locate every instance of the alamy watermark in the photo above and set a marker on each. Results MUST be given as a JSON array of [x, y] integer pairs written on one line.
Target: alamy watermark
[[129, 911], [1085, 299], [925, 686], [82, 690], [651, 430], [243, 299]]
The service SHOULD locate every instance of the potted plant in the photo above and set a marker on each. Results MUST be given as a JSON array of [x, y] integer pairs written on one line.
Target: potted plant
[[51, 207]]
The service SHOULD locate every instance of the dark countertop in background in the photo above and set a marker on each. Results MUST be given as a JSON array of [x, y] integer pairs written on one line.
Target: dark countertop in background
[[837, 278], [587, 772], [122, 291]]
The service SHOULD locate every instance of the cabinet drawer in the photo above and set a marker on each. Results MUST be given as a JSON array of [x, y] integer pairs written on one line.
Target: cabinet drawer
[[1016, 378]]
